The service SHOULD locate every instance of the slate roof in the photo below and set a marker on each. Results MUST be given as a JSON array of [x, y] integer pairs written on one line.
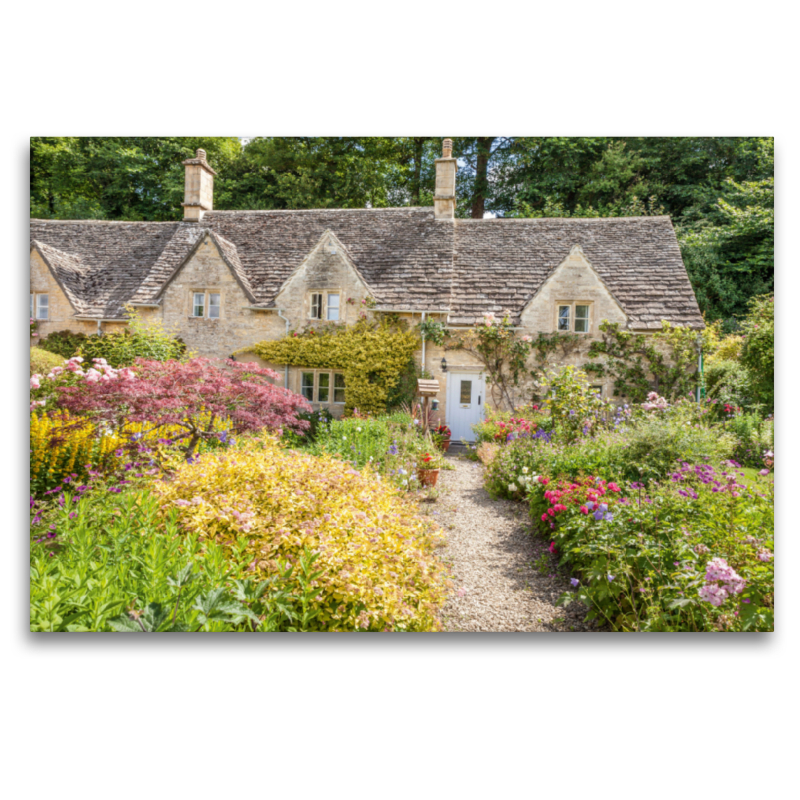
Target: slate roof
[[409, 259]]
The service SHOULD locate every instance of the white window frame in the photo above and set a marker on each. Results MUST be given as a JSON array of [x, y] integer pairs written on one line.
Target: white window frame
[[207, 305], [573, 319], [317, 303], [37, 306], [329, 307]]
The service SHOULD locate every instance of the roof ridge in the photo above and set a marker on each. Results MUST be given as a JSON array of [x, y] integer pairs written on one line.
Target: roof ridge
[[314, 210], [106, 221], [561, 219]]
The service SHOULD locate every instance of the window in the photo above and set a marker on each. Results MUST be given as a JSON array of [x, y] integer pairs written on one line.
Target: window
[[338, 388], [581, 319], [598, 390], [465, 395], [206, 304], [316, 386], [316, 306], [333, 305], [575, 317], [324, 387], [40, 306], [199, 305], [307, 386]]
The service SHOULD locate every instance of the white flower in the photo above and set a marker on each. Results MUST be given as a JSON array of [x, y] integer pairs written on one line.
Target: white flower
[[512, 488], [524, 470], [344, 438], [358, 429]]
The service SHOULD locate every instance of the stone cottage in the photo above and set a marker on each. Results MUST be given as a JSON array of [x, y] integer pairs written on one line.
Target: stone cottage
[[224, 280]]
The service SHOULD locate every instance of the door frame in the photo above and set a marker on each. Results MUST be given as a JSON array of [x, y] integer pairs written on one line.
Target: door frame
[[479, 374]]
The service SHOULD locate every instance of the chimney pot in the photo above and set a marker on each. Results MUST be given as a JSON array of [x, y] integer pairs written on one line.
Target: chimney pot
[[447, 148], [201, 153]]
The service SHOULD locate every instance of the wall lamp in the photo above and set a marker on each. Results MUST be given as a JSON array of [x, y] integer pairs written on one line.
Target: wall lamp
[[444, 365]]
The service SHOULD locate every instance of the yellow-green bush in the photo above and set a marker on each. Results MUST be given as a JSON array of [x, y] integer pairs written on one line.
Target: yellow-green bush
[[43, 361], [371, 355], [376, 553], [61, 446]]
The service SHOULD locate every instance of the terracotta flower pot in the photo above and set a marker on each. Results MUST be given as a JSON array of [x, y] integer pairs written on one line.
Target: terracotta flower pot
[[445, 445], [428, 477]]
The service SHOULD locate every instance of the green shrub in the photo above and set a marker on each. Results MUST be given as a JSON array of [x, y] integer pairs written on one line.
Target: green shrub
[[758, 350], [137, 340], [728, 382], [43, 361], [64, 343], [645, 449], [753, 437], [654, 445]]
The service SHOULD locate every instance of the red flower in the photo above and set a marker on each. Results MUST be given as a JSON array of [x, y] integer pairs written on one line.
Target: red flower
[[584, 510]]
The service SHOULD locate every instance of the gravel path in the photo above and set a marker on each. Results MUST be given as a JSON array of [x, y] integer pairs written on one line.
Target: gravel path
[[504, 578]]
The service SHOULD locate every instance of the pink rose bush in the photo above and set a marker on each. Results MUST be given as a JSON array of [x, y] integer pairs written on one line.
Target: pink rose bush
[[655, 403]]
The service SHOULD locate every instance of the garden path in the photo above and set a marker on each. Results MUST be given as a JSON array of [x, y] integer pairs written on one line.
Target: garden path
[[504, 578]]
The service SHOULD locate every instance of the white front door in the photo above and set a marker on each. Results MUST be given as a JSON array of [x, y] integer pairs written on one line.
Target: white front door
[[466, 393]]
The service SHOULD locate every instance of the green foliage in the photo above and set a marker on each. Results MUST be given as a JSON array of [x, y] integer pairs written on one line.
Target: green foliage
[[64, 343], [121, 178], [42, 361], [758, 350], [728, 382], [573, 405], [113, 562], [391, 445], [640, 448], [432, 330], [372, 355], [138, 340], [754, 436], [663, 362]]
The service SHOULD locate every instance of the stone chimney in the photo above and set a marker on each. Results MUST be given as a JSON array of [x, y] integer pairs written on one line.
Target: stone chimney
[[199, 190], [444, 198]]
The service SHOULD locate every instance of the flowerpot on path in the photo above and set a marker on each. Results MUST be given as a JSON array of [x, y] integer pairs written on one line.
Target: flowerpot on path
[[445, 445], [428, 477]]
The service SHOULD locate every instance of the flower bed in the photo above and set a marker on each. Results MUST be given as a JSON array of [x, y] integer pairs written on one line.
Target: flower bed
[[695, 554]]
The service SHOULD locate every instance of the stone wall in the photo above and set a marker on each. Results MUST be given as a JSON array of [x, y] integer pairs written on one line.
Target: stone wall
[[237, 327]]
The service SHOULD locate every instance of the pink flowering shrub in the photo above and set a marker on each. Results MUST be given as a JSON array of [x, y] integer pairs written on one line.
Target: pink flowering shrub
[[190, 396], [44, 388]]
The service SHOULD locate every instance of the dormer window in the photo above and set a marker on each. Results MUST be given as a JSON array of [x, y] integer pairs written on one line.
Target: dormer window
[[574, 317], [324, 305]]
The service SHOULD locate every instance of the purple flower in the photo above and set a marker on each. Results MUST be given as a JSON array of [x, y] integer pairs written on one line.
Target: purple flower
[[598, 515], [574, 581], [608, 517], [610, 577]]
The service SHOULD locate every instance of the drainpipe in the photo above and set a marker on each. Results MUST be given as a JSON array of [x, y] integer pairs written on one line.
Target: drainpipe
[[701, 386], [286, 367], [99, 327], [423, 345]]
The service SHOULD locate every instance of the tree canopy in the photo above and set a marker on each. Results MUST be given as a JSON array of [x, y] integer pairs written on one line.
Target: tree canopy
[[719, 191]]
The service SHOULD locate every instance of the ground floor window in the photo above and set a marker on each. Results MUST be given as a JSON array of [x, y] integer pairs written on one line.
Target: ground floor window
[[321, 386]]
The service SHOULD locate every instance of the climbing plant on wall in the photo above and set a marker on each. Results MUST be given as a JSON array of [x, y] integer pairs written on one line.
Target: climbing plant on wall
[[663, 362], [507, 356], [372, 356]]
